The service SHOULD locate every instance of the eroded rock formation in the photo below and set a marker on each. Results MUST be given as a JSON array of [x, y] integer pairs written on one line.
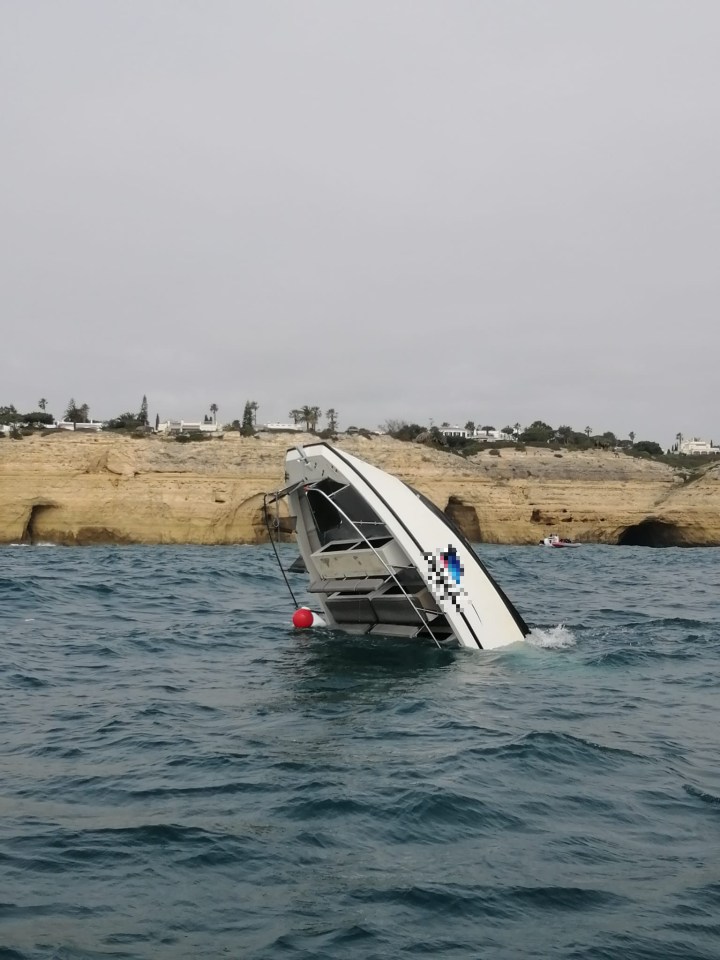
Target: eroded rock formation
[[77, 489]]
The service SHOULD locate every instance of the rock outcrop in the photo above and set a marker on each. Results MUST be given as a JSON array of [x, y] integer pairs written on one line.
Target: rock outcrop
[[79, 489]]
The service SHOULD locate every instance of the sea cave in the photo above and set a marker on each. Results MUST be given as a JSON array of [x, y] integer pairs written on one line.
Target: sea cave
[[653, 533]]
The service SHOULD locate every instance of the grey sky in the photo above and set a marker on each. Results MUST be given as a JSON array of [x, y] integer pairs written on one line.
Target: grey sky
[[488, 210]]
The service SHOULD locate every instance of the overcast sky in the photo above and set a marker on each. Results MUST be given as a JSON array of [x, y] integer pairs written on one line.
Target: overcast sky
[[452, 210]]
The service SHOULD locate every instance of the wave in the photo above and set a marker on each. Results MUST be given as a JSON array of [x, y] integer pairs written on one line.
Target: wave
[[560, 749], [498, 901], [711, 799], [632, 656], [553, 638], [212, 783]]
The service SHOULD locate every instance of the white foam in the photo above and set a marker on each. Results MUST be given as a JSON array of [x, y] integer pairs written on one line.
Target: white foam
[[39, 543], [554, 638]]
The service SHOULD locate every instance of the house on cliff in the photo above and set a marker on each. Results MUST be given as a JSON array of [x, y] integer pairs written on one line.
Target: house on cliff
[[274, 427], [92, 426], [488, 434], [697, 446], [188, 426]]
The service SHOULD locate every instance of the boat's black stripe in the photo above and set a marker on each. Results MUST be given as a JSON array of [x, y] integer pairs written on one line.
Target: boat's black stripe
[[404, 525], [467, 624]]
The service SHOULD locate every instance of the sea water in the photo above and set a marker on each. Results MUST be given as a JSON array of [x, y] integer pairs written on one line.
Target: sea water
[[184, 776]]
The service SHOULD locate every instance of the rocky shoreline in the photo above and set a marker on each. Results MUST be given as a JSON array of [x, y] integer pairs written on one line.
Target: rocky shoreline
[[80, 489]]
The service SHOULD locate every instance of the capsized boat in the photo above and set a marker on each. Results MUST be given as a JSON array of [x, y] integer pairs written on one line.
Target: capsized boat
[[555, 541], [382, 559]]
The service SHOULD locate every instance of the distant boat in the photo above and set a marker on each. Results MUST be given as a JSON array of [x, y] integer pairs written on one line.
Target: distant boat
[[382, 559], [555, 541]]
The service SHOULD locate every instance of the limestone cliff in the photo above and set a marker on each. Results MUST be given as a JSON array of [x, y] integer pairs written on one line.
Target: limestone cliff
[[78, 489]]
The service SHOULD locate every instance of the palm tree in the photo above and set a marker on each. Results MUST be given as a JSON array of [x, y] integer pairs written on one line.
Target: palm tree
[[332, 418], [588, 431], [310, 415], [679, 438], [213, 410], [42, 404], [632, 437], [517, 429], [254, 406], [306, 415]]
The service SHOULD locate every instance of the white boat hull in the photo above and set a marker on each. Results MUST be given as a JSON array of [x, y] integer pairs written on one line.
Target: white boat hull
[[382, 559], [558, 542]]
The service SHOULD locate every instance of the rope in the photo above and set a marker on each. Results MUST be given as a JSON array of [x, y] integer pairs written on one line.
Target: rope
[[277, 556]]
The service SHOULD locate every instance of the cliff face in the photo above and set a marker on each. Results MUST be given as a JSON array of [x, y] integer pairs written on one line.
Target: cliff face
[[78, 489]]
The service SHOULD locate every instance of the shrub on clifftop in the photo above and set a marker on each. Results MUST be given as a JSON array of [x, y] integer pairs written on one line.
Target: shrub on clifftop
[[648, 447], [124, 421]]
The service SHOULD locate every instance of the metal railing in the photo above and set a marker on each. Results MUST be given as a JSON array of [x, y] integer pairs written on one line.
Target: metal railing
[[420, 611]]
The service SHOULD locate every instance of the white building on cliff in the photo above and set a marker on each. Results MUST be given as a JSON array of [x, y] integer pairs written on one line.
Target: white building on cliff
[[696, 445]]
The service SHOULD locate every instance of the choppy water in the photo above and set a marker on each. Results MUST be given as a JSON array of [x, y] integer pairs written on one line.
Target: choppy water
[[182, 776]]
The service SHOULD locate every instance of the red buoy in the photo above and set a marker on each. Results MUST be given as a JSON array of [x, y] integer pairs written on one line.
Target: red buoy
[[303, 618]]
